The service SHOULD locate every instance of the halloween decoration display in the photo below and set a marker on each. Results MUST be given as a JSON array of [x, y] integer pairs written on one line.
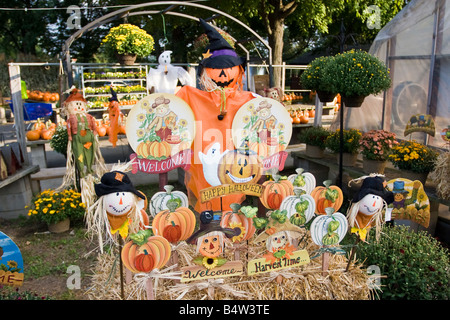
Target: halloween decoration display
[[166, 76], [160, 129], [11, 262], [410, 201], [240, 217], [115, 117], [264, 125], [327, 196], [209, 240], [303, 180], [177, 223], [420, 123], [158, 201], [214, 106], [279, 236], [300, 207], [120, 209], [275, 191]]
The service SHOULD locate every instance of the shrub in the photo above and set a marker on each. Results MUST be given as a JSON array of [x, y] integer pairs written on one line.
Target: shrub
[[313, 77], [315, 136], [351, 141], [413, 156], [377, 144], [416, 265]]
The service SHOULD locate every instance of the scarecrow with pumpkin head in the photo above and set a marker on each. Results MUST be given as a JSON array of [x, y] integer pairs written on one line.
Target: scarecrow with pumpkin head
[[221, 72], [115, 116]]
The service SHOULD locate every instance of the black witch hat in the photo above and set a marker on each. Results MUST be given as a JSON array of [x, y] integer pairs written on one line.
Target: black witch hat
[[374, 185], [116, 181], [219, 53], [113, 95]]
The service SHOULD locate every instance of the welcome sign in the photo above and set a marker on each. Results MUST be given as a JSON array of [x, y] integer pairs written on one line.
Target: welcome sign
[[229, 269]]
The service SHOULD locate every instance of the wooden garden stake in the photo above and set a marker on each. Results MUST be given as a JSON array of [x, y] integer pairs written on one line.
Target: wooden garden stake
[[358, 239], [325, 263], [149, 289], [210, 292], [128, 276], [122, 294]]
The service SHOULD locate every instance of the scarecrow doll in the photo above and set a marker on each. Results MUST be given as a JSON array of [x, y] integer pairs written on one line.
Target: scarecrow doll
[[210, 240], [115, 116], [266, 121], [164, 120], [119, 210], [368, 206], [221, 72]]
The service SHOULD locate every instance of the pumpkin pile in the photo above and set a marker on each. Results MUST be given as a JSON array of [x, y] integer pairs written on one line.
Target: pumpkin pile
[[302, 116], [292, 97], [37, 95], [41, 130], [103, 127]]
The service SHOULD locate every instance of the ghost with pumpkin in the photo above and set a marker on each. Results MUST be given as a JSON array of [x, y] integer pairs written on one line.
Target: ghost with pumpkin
[[214, 106], [119, 210]]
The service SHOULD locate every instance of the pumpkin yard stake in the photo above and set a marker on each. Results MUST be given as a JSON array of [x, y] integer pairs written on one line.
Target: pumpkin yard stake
[[326, 231]]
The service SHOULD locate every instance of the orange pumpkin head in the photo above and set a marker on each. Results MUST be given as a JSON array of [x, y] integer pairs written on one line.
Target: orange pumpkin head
[[237, 219], [238, 166], [226, 77]]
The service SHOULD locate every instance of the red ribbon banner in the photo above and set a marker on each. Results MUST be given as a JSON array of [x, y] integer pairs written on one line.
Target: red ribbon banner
[[181, 159]]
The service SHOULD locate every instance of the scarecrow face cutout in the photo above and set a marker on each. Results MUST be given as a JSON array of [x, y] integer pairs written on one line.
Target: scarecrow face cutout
[[210, 245], [75, 107], [119, 203], [278, 240], [370, 204]]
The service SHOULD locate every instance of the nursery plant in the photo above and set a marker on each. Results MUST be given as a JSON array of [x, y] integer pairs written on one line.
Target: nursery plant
[[315, 136], [376, 144], [59, 140], [351, 141], [413, 156], [415, 265], [314, 77], [128, 39]]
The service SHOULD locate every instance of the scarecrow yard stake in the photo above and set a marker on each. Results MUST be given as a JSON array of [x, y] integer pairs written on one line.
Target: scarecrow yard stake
[[115, 117]]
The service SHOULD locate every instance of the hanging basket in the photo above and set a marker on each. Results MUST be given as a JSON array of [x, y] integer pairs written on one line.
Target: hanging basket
[[325, 96], [353, 101], [126, 59]]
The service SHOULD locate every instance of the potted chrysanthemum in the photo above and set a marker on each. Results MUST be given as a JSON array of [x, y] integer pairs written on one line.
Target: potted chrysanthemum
[[375, 148], [350, 148], [314, 78], [355, 74], [126, 42]]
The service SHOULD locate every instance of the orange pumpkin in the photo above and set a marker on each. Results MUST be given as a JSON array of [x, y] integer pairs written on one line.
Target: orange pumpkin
[[260, 148], [39, 125], [327, 196], [33, 135], [154, 149], [175, 224], [225, 77], [235, 218], [145, 252], [239, 166], [275, 191]]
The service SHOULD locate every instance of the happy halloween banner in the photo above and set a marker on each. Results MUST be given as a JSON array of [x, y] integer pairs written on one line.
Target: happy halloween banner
[[251, 189]]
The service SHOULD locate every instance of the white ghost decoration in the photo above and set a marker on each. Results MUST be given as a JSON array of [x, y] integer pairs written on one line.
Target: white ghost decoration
[[210, 162], [166, 76]]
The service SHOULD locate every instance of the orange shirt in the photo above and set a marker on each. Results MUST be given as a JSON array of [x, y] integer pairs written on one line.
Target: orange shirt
[[209, 130]]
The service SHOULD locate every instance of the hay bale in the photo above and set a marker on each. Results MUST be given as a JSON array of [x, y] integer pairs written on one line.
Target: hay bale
[[299, 283]]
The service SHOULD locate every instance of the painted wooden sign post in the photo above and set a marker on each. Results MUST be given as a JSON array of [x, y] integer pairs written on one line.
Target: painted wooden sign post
[[11, 262], [160, 129]]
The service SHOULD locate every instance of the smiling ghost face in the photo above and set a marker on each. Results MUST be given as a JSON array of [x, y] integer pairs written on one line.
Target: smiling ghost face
[[119, 203], [370, 204], [210, 245]]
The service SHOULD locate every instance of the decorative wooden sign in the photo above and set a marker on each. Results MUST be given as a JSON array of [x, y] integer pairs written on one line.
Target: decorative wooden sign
[[11, 262], [160, 129], [420, 123], [251, 189], [303, 180], [264, 126], [262, 265], [229, 269]]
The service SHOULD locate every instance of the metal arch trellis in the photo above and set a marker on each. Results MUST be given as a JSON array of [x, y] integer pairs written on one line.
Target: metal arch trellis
[[124, 12]]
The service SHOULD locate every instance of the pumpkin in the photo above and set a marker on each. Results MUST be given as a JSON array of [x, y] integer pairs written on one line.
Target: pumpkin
[[327, 196], [145, 252], [236, 218], [174, 217], [304, 180], [226, 78], [238, 166], [299, 207], [38, 125], [33, 135], [260, 148], [158, 201], [47, 134], [281, 189], [329, 229], [159, 149]]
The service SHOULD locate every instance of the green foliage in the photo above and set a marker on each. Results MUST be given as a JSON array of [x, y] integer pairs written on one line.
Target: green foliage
[[314, 78], [414, 156], [10, 293], [416, 266], [128, 39], [357, 73], [351, 141], [315, 136], [59, 140]]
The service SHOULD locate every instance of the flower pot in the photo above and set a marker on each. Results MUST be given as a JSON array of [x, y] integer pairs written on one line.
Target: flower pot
[[373, 166], [410, 175], [126, 59], [60, 226], [314, 151], [353, 101], [325, 96], [348, 159]]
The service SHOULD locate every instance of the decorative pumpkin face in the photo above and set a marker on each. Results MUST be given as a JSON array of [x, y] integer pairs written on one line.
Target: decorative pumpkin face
[[224, 77], [239, 167], [210, 245], [370, 204]]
